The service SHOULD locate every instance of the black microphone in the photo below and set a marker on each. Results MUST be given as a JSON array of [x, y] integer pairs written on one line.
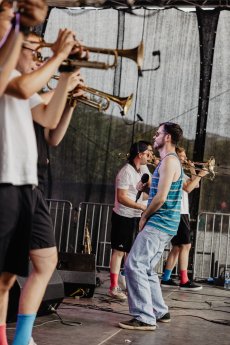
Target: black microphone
[[144, 179]]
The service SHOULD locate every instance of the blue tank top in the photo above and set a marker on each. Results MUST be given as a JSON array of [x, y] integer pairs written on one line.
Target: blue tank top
[[167, 218]]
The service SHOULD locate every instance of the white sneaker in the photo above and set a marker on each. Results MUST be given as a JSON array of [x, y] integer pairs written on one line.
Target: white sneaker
[[32, 342], [117, 294], [122, 281]]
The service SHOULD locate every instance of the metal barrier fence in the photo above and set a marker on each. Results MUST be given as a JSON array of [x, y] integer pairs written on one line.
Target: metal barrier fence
[[69, 229], [61, 214], [212, 250]]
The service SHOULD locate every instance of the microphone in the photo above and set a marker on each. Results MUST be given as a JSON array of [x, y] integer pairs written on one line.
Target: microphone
[[144, 179]]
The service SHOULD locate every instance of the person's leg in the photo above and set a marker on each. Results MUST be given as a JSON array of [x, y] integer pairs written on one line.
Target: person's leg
[[6, 282], [144, 292], [183, 262], [115, 266], [15, 228], [173, 256], [171, 263], [43, 254], [122, 236], [44, 262]]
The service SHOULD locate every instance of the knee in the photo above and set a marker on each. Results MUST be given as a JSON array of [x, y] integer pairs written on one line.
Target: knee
[[7, 280], [175, 250], [45, 261], [186, 247]]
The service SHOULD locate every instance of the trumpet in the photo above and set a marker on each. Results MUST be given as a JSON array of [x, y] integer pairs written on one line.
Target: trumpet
[[103, 101], [209, 166], [136, 54]]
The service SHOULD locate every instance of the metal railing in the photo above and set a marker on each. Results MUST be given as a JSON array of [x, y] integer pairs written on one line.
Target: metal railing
[[212, 243], [61, 214], [69, 229]]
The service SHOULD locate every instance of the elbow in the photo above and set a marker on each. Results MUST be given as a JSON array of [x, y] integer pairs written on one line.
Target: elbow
[[187, 189], [162, 199], [53, 143], [23, 92]]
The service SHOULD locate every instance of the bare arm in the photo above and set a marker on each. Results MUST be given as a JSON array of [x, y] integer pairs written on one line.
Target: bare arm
[[49, 115], [26, 85], [169, 172], [9, 54], [34, 12], [191, 184], [123, 199], [55, 136]]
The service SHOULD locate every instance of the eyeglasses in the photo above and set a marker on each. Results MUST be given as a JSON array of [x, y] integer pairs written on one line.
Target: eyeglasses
[[37, 56], [159, 133]]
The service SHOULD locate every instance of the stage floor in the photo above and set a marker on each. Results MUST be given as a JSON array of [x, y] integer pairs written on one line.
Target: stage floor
[[201, 317]]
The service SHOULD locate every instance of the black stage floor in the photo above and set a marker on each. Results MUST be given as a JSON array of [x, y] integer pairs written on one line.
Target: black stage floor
[[201, 317]]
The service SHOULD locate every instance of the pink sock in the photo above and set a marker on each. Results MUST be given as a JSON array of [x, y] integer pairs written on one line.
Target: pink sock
[[183, 277], [3, 340], [113, 280]]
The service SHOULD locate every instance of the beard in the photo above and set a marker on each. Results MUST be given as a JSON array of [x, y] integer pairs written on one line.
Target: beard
[[158, 145]]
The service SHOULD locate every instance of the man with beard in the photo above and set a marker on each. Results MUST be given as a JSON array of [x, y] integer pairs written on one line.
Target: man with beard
[[158, 224]]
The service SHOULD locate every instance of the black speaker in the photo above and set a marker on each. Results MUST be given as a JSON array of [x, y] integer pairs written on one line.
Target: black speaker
[[53, 296], [78, 271]]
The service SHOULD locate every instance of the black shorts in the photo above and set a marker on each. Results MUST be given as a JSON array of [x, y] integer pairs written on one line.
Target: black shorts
[[42, 235], [183, 233], [123, 232], [16, 211]]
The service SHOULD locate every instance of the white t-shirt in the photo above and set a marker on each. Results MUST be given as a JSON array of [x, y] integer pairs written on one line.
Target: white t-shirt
[[184, 201], [128, 178], [18, 148]]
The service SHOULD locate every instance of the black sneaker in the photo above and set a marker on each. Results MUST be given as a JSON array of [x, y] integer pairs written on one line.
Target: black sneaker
[[169, 283], [136, 324], [165, 318], [190, 286]]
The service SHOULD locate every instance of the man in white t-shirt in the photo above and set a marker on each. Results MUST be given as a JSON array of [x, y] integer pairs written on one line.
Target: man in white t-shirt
[[127, 211], [181, 242], [18, 173]]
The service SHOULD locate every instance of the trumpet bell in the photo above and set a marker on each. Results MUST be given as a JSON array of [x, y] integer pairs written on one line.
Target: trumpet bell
[[135, 54], [125, 103]]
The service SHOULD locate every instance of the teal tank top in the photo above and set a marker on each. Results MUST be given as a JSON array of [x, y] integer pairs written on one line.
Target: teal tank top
[[167, 218]]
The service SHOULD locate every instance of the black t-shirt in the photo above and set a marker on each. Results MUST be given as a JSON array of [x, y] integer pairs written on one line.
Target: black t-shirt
[[42, 156]]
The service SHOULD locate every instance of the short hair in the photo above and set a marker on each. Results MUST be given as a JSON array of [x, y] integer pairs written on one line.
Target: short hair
[[136, 148], [174, 130], [180, 149]]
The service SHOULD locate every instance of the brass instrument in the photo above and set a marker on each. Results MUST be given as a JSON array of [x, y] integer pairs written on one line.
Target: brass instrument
[[136, 54], [209, 166], [124, 102], [87, 245]]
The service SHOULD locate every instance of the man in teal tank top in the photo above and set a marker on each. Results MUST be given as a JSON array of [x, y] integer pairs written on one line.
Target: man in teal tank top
[[158, 224]]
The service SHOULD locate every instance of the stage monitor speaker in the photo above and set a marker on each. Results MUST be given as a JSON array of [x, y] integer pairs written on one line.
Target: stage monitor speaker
[[78, 271], [53, 296]]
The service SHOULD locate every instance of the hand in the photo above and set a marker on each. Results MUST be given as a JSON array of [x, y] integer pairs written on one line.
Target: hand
[[76, 83], [142, 207], [142, 222], [33, 12], [65, 43], [203, 172], [79, 51], [141, 186]]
